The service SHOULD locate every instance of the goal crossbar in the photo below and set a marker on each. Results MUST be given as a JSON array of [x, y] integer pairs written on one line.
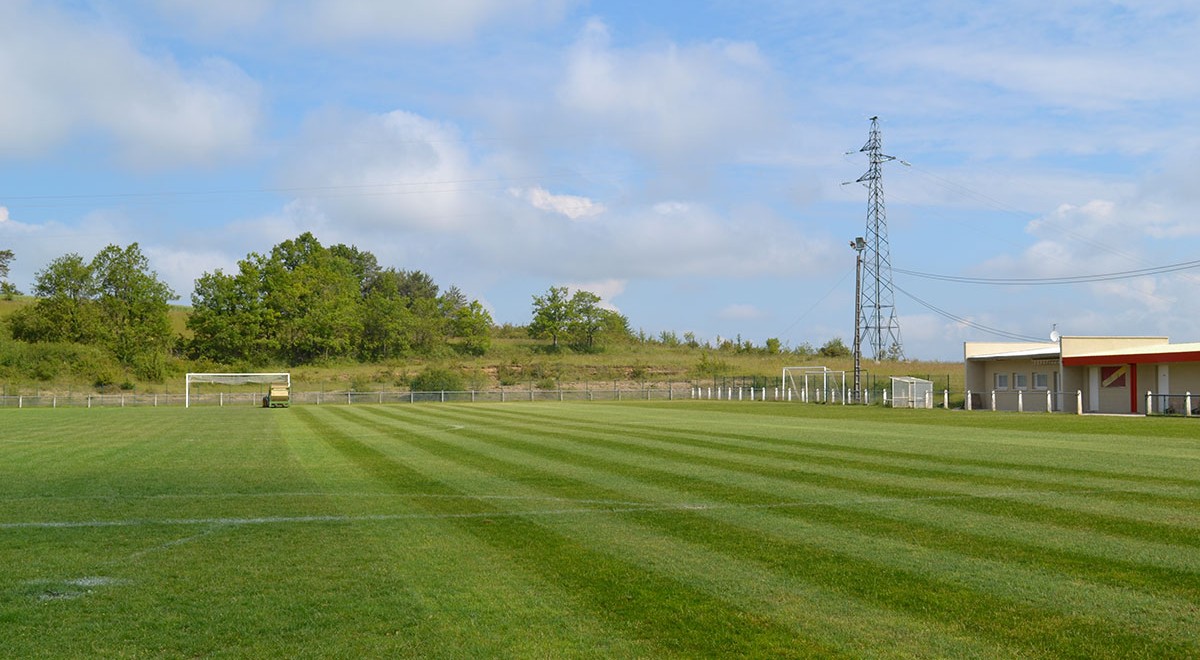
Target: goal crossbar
[[232, 379]]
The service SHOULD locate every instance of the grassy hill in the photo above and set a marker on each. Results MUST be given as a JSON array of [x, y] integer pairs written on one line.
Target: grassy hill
[[513, 361]]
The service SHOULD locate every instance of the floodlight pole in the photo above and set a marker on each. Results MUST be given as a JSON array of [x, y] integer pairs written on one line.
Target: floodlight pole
[[858, 244]]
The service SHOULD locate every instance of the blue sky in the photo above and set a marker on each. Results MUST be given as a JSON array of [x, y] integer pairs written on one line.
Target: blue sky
[[684, 161]]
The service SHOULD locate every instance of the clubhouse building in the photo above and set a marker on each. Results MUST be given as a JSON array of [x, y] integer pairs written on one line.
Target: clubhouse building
[[1118, 375]]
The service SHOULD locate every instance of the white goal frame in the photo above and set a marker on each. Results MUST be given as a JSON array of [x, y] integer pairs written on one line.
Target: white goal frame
[[910, 392], [826, 385], [232, 379]]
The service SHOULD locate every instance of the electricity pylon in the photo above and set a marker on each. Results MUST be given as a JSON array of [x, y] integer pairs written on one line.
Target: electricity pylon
[[881, 329]]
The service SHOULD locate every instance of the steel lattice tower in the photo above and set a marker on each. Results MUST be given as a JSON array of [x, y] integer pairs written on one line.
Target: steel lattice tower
[[881, 329]]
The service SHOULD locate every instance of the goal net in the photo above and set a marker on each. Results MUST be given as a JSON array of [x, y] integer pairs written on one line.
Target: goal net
[[814, 384], [909, 392], [284, 379]]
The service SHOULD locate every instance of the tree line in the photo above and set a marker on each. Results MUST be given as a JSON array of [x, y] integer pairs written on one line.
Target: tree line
[[303, 302], [299, 303]]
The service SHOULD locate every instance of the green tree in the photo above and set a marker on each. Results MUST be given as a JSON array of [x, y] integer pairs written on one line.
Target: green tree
[[115, 302], [416, 285], [834, 348], [315, 299], [552, 315], [133, 303], [66, 309], [363, 264], [229, 321], [7, 289], [592, 326], [473, 325]]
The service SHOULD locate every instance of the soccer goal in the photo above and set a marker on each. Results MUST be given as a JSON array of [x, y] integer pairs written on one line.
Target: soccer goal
[[278, 379], [814, 384], [909, 392]]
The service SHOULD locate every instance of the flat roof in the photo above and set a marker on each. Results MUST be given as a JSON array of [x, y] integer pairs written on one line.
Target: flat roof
[[1028, 353], [1152, 354]]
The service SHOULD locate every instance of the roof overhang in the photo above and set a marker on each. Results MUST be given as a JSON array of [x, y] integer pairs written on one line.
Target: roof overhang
[[1155, 354], [1026, 354]]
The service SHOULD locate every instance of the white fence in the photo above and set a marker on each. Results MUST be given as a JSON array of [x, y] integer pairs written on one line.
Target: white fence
[[1185, 404], [665, 392]]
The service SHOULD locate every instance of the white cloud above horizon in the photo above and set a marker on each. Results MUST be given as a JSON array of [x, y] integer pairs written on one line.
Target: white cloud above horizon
[[689, 169], [64, 77]]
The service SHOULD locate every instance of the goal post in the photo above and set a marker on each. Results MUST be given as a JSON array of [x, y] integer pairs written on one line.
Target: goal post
[[233, 379], [814, 384]]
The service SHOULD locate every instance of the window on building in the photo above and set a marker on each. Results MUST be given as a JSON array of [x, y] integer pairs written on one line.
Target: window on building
[[1041, 381], [1021, 381], [1002, 381]]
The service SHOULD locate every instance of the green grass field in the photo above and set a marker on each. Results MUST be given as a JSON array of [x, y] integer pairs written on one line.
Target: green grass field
[[673, 529]]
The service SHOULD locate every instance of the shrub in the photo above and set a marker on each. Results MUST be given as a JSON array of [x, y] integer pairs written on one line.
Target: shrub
[[437, 379]]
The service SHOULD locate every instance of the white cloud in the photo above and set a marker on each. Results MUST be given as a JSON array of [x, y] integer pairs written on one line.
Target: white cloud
[[391, 171], [741, 312], [63, 76], [606, 289], [672, 102], [572, 206], [336, 21]]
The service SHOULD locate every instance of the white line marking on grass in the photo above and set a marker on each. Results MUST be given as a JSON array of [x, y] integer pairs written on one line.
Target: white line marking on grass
[[624, 508], [71, 589]]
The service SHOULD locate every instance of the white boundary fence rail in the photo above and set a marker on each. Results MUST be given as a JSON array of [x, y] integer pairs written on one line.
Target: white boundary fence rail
[[1186, 404], [656, 392]]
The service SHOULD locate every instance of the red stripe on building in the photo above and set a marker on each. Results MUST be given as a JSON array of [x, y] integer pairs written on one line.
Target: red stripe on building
[[1140, 358]]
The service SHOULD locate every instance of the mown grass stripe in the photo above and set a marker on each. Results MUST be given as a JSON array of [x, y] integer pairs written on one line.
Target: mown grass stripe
[[693, 419], [735, 468], [916, 506], [818, 612], [1010, 579], [788, 444], [676, 616]]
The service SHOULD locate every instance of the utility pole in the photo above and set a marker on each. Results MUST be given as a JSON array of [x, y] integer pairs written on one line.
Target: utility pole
[[877, 300], [858, 244]]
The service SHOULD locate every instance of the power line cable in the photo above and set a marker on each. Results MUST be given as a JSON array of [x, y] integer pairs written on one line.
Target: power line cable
[[1050, 281], [972, 324]]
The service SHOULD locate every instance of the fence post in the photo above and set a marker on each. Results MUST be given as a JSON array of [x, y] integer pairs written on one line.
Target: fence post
[[993, 400], [1078, 402], [945, 399], [1020, 400], [20, 402], [89, 401], [1149, 403], [221, 399], [348, 400], [967, 404], [1187, 404], [1049, 404]]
